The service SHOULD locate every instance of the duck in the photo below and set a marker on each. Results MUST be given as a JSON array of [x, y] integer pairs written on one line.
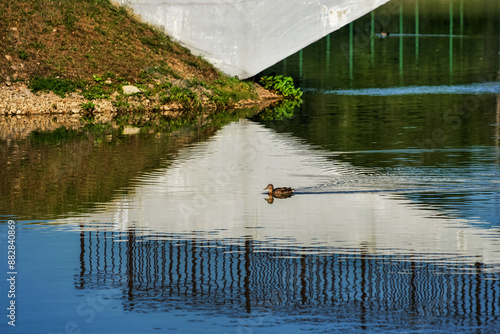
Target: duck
[[383, 34], [279, 192]]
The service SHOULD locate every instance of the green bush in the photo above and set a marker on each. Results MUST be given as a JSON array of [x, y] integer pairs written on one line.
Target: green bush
[[95, 92], [282, 85], [184, 96], [88, 106], [58, 86]]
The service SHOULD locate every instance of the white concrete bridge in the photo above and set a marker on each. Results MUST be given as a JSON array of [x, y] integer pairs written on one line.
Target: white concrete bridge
[[244, 37]]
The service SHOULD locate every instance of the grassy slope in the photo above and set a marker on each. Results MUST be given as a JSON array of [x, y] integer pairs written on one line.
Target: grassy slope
[[90, 41]]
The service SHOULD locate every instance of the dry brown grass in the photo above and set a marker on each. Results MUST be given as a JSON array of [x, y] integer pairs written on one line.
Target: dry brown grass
[[77, 39]]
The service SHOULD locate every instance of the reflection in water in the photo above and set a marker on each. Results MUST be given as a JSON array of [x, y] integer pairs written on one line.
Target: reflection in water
[[338, 204], [394, 226], [270, 198], [167, 271], [497, 131], [350, 246], [478, 88]]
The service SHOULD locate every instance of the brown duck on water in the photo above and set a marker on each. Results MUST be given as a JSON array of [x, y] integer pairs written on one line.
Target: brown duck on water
[[279, 192]]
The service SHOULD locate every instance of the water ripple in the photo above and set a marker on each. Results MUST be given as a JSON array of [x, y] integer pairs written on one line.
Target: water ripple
[[475, 88]]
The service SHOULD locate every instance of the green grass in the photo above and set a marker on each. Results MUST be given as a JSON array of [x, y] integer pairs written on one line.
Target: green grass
[[23, 55], [227, 91], [58, 86], [88, 106]]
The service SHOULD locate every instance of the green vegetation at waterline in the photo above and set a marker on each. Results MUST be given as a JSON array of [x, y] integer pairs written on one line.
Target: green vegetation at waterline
[[58, 86], [282, 85], [189, 94], [282, 111], [91, 126]]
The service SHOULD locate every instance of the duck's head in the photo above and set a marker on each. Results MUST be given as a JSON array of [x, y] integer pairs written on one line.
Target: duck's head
[[269, 186], [383, 33]]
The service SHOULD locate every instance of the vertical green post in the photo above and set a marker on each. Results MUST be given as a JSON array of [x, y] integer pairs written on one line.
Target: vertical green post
[[401, 42], [461, 26], [301, 68], [351, 50], [417, 31], [372, 39], [328, 43], [461, 17], [451, 43]]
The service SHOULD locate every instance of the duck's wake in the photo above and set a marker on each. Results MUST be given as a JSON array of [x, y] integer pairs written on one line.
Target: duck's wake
[[475, 88]]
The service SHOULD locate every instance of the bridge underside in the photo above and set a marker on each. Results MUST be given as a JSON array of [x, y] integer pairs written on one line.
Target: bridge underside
[[242, 38]]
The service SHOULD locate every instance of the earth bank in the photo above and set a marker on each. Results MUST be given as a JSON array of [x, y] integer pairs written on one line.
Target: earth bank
[[90, 57]]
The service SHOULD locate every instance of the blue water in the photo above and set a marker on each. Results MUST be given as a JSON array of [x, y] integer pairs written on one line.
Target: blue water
[[165, 283], [394, 226]]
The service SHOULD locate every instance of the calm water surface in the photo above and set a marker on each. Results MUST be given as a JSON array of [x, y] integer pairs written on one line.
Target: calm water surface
[[394, 227]]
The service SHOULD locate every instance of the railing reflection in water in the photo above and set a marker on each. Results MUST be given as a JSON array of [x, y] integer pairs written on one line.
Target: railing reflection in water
[[164, 272]]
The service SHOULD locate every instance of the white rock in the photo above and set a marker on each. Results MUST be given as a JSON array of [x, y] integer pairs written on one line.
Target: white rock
[[130, 130], [129, 89], [25, 91]]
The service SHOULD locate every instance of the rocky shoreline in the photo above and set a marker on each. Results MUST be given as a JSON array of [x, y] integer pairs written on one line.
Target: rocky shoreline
[[17, 99], [22, 111]]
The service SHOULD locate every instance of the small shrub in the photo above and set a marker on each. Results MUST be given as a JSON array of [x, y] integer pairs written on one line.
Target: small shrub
[[282, 85], [185, 96], [58, 86], [95, 92], [88, 106]]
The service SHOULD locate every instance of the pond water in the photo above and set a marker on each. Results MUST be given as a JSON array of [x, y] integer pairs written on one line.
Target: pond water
[[394, 225]]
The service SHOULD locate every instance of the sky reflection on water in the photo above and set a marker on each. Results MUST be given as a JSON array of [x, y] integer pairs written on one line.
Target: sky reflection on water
[[189, 247], [208, 188]]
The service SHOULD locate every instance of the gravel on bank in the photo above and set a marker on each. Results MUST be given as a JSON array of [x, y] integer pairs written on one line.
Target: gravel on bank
[[17, 99]]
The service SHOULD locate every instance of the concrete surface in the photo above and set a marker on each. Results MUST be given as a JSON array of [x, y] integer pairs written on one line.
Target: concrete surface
[[244, 37]]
